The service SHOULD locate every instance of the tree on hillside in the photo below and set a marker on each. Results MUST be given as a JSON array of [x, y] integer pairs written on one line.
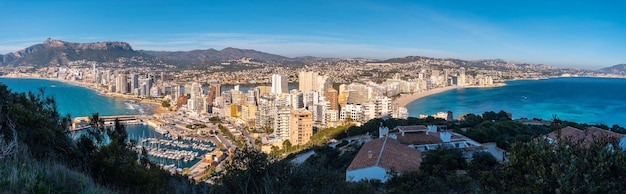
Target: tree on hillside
[[562, 167], [34, 119], [443, 161], [287, 145], [251, 171]]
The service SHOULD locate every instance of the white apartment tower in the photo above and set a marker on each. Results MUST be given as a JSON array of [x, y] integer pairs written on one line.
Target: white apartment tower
[[281, 122], [279, 84], [121, 84], [461, 76], [196, 102]]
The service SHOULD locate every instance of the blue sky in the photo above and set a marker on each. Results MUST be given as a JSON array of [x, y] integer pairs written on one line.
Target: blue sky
[[578, 34]]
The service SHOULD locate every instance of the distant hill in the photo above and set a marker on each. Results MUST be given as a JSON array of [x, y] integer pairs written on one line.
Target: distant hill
[[57, 52], [406, 59], [621, 68], [197, 56], [495, 64]]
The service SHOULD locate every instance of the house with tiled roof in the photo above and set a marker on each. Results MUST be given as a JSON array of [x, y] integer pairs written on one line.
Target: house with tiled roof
[[584, 137], [401, 151], [380, 156], [425, 138]]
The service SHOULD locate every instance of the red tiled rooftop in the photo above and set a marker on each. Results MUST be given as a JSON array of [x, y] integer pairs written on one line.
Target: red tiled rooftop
[[412, 127], [584, 136], [419, 138], [395, 157]]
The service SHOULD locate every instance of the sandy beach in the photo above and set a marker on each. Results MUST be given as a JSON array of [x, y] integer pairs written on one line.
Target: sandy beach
[[406, 99]]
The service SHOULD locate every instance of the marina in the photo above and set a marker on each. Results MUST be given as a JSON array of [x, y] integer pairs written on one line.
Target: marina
[[179, 144], [173, 153], [184, 155]]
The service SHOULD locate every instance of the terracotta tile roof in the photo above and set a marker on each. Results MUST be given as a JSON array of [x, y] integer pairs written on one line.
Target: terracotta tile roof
[[586, 136], [598, 132], [395, 156], [412, 127], [419, 138]]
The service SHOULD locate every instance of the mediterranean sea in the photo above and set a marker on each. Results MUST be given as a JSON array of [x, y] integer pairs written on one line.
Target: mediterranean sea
[[577, 99], [79, 101], [76, 100]]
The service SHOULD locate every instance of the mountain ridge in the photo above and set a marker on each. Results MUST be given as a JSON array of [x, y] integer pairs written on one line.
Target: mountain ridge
[[58, 52], [228, 53], [619, 68]]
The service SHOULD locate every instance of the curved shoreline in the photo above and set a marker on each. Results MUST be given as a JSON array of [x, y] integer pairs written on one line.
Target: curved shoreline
[[402, 101], [156, 106], [405, 100]]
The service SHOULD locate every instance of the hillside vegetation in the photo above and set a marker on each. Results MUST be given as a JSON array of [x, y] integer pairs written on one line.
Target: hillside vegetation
[[37, 156]]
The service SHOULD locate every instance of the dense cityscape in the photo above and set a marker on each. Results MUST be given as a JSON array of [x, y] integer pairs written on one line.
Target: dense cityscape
[[268, 114], [364, 97]]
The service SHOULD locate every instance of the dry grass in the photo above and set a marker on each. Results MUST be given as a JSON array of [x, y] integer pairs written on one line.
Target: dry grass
[[20, 173]]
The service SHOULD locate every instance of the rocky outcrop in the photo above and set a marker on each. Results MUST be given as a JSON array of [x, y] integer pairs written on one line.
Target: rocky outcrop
[[94, 46], [60, 53]]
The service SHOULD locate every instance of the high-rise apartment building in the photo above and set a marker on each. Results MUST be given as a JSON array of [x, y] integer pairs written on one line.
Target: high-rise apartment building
[[296, 99], [281, 122], [461, 81], [300, 126], [310, 98], [332, 96], [323, 83], [134, 82], [279, 84], [121, 84], [197, 101], [307, 81], [266, 111]]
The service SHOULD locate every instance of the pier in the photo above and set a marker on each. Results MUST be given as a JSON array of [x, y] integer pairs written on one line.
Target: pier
[[80, 123]]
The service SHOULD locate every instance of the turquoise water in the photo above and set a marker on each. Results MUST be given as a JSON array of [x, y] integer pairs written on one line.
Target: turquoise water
[[80, 101], [139, 132], [75, 100], [584, 100]]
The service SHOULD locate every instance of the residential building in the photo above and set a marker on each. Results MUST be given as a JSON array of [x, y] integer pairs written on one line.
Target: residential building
[[300, 126], [266, 111], [296, 99], [279, 84], [332, 96], [425, 138], [121, 84], [281, 122], [307, 81], [380, 156], [584, 137]]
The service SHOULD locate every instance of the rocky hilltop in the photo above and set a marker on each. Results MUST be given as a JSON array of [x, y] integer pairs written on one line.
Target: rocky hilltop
[[94, 46], [57, 52]]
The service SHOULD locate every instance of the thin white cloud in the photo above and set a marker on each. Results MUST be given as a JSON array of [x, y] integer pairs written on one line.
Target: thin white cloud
[[287, 45]]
